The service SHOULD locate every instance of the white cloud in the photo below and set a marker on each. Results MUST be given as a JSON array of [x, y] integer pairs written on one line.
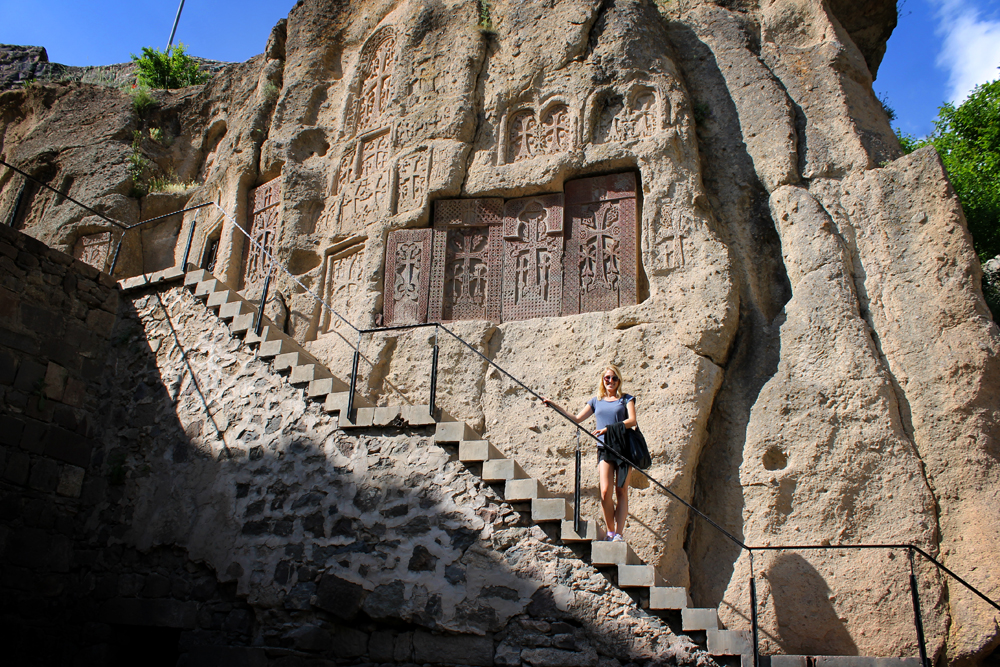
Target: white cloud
[[971, 46]]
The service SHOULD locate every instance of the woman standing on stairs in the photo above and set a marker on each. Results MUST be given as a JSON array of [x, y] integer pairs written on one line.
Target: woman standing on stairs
[[610, 406]]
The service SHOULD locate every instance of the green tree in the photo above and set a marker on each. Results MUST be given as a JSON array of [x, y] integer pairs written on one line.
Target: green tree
[[168, 69], [967, 137]]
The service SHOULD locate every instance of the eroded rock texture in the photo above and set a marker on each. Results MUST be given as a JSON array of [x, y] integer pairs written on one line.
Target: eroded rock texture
[[812, 355]]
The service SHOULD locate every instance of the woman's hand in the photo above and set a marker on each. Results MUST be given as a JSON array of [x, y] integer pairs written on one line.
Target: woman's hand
[[600, 431]]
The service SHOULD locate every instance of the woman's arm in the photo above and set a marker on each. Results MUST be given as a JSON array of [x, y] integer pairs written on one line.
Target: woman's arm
[[586, 412], [632, 415]]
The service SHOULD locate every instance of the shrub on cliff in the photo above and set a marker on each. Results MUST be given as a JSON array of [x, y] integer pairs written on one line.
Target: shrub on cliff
[[168, 69]]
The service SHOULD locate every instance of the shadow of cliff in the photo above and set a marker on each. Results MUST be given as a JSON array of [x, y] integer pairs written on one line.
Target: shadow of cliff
[[740, 204]]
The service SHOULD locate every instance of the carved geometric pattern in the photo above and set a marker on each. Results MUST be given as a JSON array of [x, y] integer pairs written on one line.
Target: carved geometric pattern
[[412, 176], [93, 250], [620, 123], [342, 282], [263, 213], [407, 276], [601, 262], [557, 130], [378, 63], [468, 252], [523, 141], [533, 257], [364, 178]]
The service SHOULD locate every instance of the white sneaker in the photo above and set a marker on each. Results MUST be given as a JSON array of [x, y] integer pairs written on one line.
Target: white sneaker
[[617, 538], [610, 537]]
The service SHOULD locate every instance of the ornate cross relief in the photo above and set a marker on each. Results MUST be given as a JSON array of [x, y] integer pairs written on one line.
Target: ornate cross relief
[[342, 279], [378, 64], [601, 267], [468, 252], [263, 213], [533, 256], [674, 248], [619, 122], [93, 250], [526, 137], [407, 276]]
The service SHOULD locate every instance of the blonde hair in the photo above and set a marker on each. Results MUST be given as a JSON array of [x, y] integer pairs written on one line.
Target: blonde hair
[[601, 392]]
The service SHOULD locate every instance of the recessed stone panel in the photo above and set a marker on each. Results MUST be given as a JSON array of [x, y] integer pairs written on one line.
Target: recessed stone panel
[[407, 276]]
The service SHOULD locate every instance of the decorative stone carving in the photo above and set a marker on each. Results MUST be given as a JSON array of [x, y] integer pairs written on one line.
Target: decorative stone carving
[[533, 256], [557, 130], [522, 138], [618, 122], [363, 180], [341, 282], [468, 258], [263, 213], [413, 173], [94, 250], [378, 64], [601, 262], [407, 276], [674, 249]]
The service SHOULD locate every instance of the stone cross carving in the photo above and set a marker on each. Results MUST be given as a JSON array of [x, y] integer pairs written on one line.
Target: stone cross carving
[[378, 64], [263, 212], [407, 276], [621, 123], [674, 248], [533, 256], [412, 178], [468, 251], [363, 181], [93, 250], [343, 277], [601, 263]]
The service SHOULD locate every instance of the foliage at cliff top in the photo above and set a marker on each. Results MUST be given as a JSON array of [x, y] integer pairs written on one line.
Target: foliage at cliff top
[[967, 137], [168, 69]]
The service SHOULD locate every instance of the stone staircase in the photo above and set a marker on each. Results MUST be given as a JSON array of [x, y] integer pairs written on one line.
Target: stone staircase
[[617, 559]]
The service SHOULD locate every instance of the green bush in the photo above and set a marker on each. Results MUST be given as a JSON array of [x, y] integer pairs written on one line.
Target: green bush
[[168, 69]]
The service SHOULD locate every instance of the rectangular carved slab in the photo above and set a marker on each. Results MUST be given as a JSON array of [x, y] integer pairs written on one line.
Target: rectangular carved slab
[[601, 261], [533, 257], [465, 280], [264, 217], [407, 276]]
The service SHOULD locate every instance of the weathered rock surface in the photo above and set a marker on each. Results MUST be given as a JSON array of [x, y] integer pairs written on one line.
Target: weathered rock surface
[[811, 353]]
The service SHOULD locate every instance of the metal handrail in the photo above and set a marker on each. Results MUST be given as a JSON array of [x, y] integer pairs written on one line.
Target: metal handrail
[[750, 549], [187, 249]]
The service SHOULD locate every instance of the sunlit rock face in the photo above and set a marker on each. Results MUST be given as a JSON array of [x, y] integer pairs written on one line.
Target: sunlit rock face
[[796, 307]]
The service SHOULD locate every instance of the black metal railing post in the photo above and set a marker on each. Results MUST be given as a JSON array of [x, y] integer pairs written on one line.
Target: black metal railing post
[[258, 324], [917, 617], [354, 378], [118, 249], [431, 404], [187, 247], [576, 492], [753, 614]]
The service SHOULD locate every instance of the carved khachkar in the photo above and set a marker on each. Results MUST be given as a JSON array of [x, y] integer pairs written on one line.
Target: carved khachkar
[[378, 64], [526, 137], [363, 181], [468, 251], [263, 213], [533, 257], [618, 122], [407, 276], [601, 263], [342, 280], [94, 250], [412, 177]]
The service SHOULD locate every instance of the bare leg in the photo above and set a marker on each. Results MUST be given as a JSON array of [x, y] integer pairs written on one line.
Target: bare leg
[[621, 513], [606, 474]]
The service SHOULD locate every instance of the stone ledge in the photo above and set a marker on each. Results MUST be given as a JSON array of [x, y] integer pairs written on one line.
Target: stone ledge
[[166, 276]]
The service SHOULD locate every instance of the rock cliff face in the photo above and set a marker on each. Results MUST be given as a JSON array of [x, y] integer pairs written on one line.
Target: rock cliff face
[[806, 334]]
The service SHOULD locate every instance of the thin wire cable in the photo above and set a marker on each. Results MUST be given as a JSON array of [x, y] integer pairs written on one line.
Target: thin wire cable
[[121, 225]]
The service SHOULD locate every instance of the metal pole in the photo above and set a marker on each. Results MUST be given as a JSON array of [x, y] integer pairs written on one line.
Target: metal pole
[[17, 204], [917, 620], [114, 260], [753, 615], [434, 374], [576, 491], [177, 19], [187, 248], [354, 378], [259, 324]]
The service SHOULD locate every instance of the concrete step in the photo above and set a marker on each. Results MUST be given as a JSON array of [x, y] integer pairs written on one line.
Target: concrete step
[[635, 576], [242, 324], [704, 618], [324, 386], [477, 451], [591, 532], [840, 661], [337, 402], [729, 642], [267, 332], [222, 297], [207, 287], [231, 309], [668, 597], [549, 509], [519, 490], [417, 415], [500, 470], [282, 346], [613, 553], [192, 278], [287, 360], [306, 373], [362, 418], [454, 431]]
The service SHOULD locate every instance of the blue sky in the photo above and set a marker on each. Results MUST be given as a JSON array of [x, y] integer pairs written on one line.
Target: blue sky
[[939, 51]]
